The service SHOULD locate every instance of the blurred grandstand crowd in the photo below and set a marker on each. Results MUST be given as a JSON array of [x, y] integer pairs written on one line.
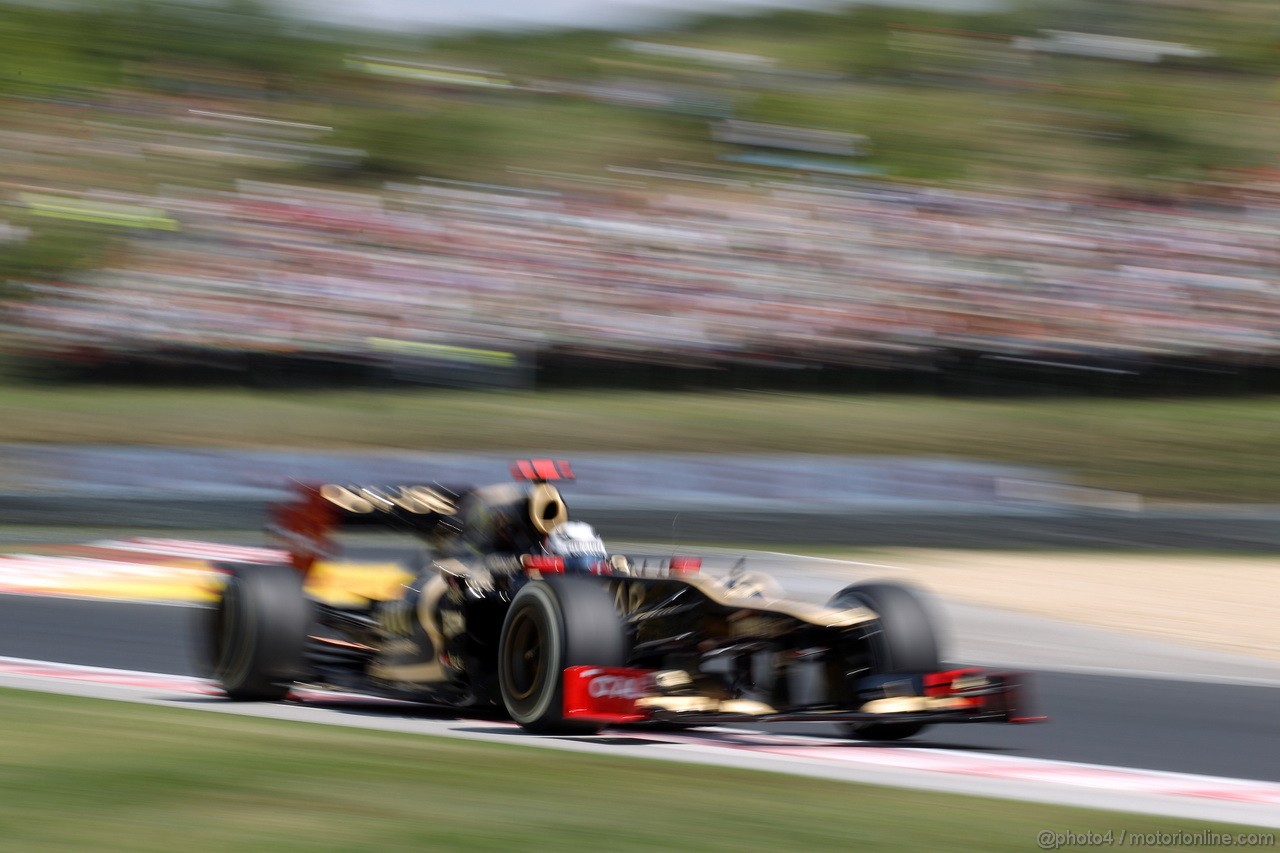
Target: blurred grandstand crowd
[[483, 278], [850, 275], [211, 179]]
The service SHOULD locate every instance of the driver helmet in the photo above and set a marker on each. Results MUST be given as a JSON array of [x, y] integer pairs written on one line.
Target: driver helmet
[[581, 547]]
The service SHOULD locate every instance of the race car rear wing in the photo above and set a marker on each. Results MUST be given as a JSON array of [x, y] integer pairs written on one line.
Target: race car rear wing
[[308, 522]]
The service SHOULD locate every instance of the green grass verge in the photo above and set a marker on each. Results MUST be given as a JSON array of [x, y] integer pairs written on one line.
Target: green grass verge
[[85, 774], [1188, 450]]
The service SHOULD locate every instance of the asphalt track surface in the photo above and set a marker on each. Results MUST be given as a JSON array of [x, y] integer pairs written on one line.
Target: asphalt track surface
[[1136, 725], [1200, 727]]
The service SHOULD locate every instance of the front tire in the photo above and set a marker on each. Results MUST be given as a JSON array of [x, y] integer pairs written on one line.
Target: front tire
[[907, 641], [256, 633], [554, 623]]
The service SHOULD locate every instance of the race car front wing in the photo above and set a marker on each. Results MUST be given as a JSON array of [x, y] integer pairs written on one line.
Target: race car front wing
[[620, 695]]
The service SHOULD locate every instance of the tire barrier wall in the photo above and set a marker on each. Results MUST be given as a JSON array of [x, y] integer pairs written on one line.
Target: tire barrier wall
[[949, 372]]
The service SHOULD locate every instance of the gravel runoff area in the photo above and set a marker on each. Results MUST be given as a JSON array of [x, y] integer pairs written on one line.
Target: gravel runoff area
[[1218, 602]]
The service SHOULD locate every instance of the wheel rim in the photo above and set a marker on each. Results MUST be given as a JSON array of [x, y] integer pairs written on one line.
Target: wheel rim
[[526, 662]]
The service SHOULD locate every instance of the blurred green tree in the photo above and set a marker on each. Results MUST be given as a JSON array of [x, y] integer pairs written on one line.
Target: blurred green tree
[[57, 249], [452, 142]]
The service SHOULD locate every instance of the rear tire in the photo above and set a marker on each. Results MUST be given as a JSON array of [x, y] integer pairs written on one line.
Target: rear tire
[[906, 642], [257, 633], [554, 623]]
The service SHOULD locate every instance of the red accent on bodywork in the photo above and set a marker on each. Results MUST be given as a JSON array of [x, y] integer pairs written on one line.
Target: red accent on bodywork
[[606, 694], [686, 565], [940, 683], [305, 525], [548, 564], [1002, 692]]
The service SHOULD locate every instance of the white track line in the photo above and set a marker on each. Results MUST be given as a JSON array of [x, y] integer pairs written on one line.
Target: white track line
[[1117, 788]]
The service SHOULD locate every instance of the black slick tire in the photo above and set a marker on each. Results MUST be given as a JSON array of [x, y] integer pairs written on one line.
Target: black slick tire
[[256, 632], [906, 641], [554, 623]]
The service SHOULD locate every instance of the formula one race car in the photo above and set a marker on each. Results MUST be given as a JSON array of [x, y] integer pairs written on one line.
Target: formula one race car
[[513, 606]]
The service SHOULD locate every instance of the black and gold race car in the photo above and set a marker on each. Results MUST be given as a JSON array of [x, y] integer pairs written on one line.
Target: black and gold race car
[[510, 605]]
